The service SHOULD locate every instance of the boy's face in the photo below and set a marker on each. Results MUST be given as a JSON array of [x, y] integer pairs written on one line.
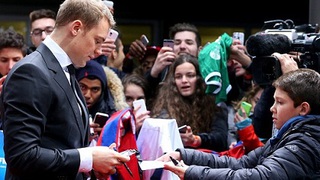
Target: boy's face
[[8, 57], [45, 25], [91, 90], [185, 43], [283, 108]]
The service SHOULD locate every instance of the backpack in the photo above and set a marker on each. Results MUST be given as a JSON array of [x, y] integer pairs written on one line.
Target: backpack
[[120, 129]]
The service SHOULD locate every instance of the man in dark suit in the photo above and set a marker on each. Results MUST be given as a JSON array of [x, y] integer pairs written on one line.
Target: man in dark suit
[[46, 132]]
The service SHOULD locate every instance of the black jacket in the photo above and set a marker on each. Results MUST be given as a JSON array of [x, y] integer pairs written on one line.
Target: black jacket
[[293, 154], [42, 123]]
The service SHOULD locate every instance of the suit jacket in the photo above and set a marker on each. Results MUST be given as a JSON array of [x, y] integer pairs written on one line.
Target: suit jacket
[[41, 120]]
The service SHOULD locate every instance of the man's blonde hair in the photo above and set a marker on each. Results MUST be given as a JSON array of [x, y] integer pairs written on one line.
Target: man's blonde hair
[[90, 12]]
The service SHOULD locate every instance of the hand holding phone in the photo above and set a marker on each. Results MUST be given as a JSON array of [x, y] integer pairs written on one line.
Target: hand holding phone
[[247, 108], [182, 129], [239, 35], [101, 118], [142, 104]]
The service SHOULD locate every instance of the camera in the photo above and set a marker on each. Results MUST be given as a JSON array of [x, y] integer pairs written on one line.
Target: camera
[[265, 69], [307, 43], [303, 39]]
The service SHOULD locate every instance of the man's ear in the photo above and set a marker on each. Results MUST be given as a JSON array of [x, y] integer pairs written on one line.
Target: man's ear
[[76, 27], [200, 48], [305, 109]]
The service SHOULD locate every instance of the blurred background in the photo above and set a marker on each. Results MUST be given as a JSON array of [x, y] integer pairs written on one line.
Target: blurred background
[[154, 18]]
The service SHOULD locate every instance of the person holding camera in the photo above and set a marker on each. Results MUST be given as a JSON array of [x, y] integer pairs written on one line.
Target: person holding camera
[[292, 153], [266, 66]]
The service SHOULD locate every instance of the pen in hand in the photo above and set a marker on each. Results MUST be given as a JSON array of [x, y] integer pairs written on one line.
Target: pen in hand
[[175, 162], [125, 165]]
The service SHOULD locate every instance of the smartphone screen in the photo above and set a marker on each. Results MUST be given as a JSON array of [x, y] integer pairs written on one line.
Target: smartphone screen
[[182, 129], [101, 118], [238, 35]]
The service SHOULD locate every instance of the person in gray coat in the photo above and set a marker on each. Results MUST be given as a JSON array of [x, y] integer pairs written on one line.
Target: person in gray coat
[[292, 153]]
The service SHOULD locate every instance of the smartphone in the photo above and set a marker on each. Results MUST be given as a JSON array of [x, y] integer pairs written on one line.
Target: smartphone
[[144, 40], [139, 102], [182, 129], [239, 35], [247, 108], [168, 43], [113, 34], [101, 118]]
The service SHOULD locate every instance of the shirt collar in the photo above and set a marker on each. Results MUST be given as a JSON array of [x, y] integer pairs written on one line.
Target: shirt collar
[[58, 52]]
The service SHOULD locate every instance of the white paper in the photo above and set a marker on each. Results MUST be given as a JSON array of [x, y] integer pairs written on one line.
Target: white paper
[[146, 165], [156, 137]]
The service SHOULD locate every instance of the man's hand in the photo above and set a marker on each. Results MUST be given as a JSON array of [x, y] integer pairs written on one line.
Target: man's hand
[[287, 63], [164, 58], [137, 49], [105, 159]]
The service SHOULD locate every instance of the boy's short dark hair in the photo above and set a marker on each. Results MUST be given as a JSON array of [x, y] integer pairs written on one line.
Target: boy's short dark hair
[[179, 27], [12, 39], [302, 85], [42, 13]]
